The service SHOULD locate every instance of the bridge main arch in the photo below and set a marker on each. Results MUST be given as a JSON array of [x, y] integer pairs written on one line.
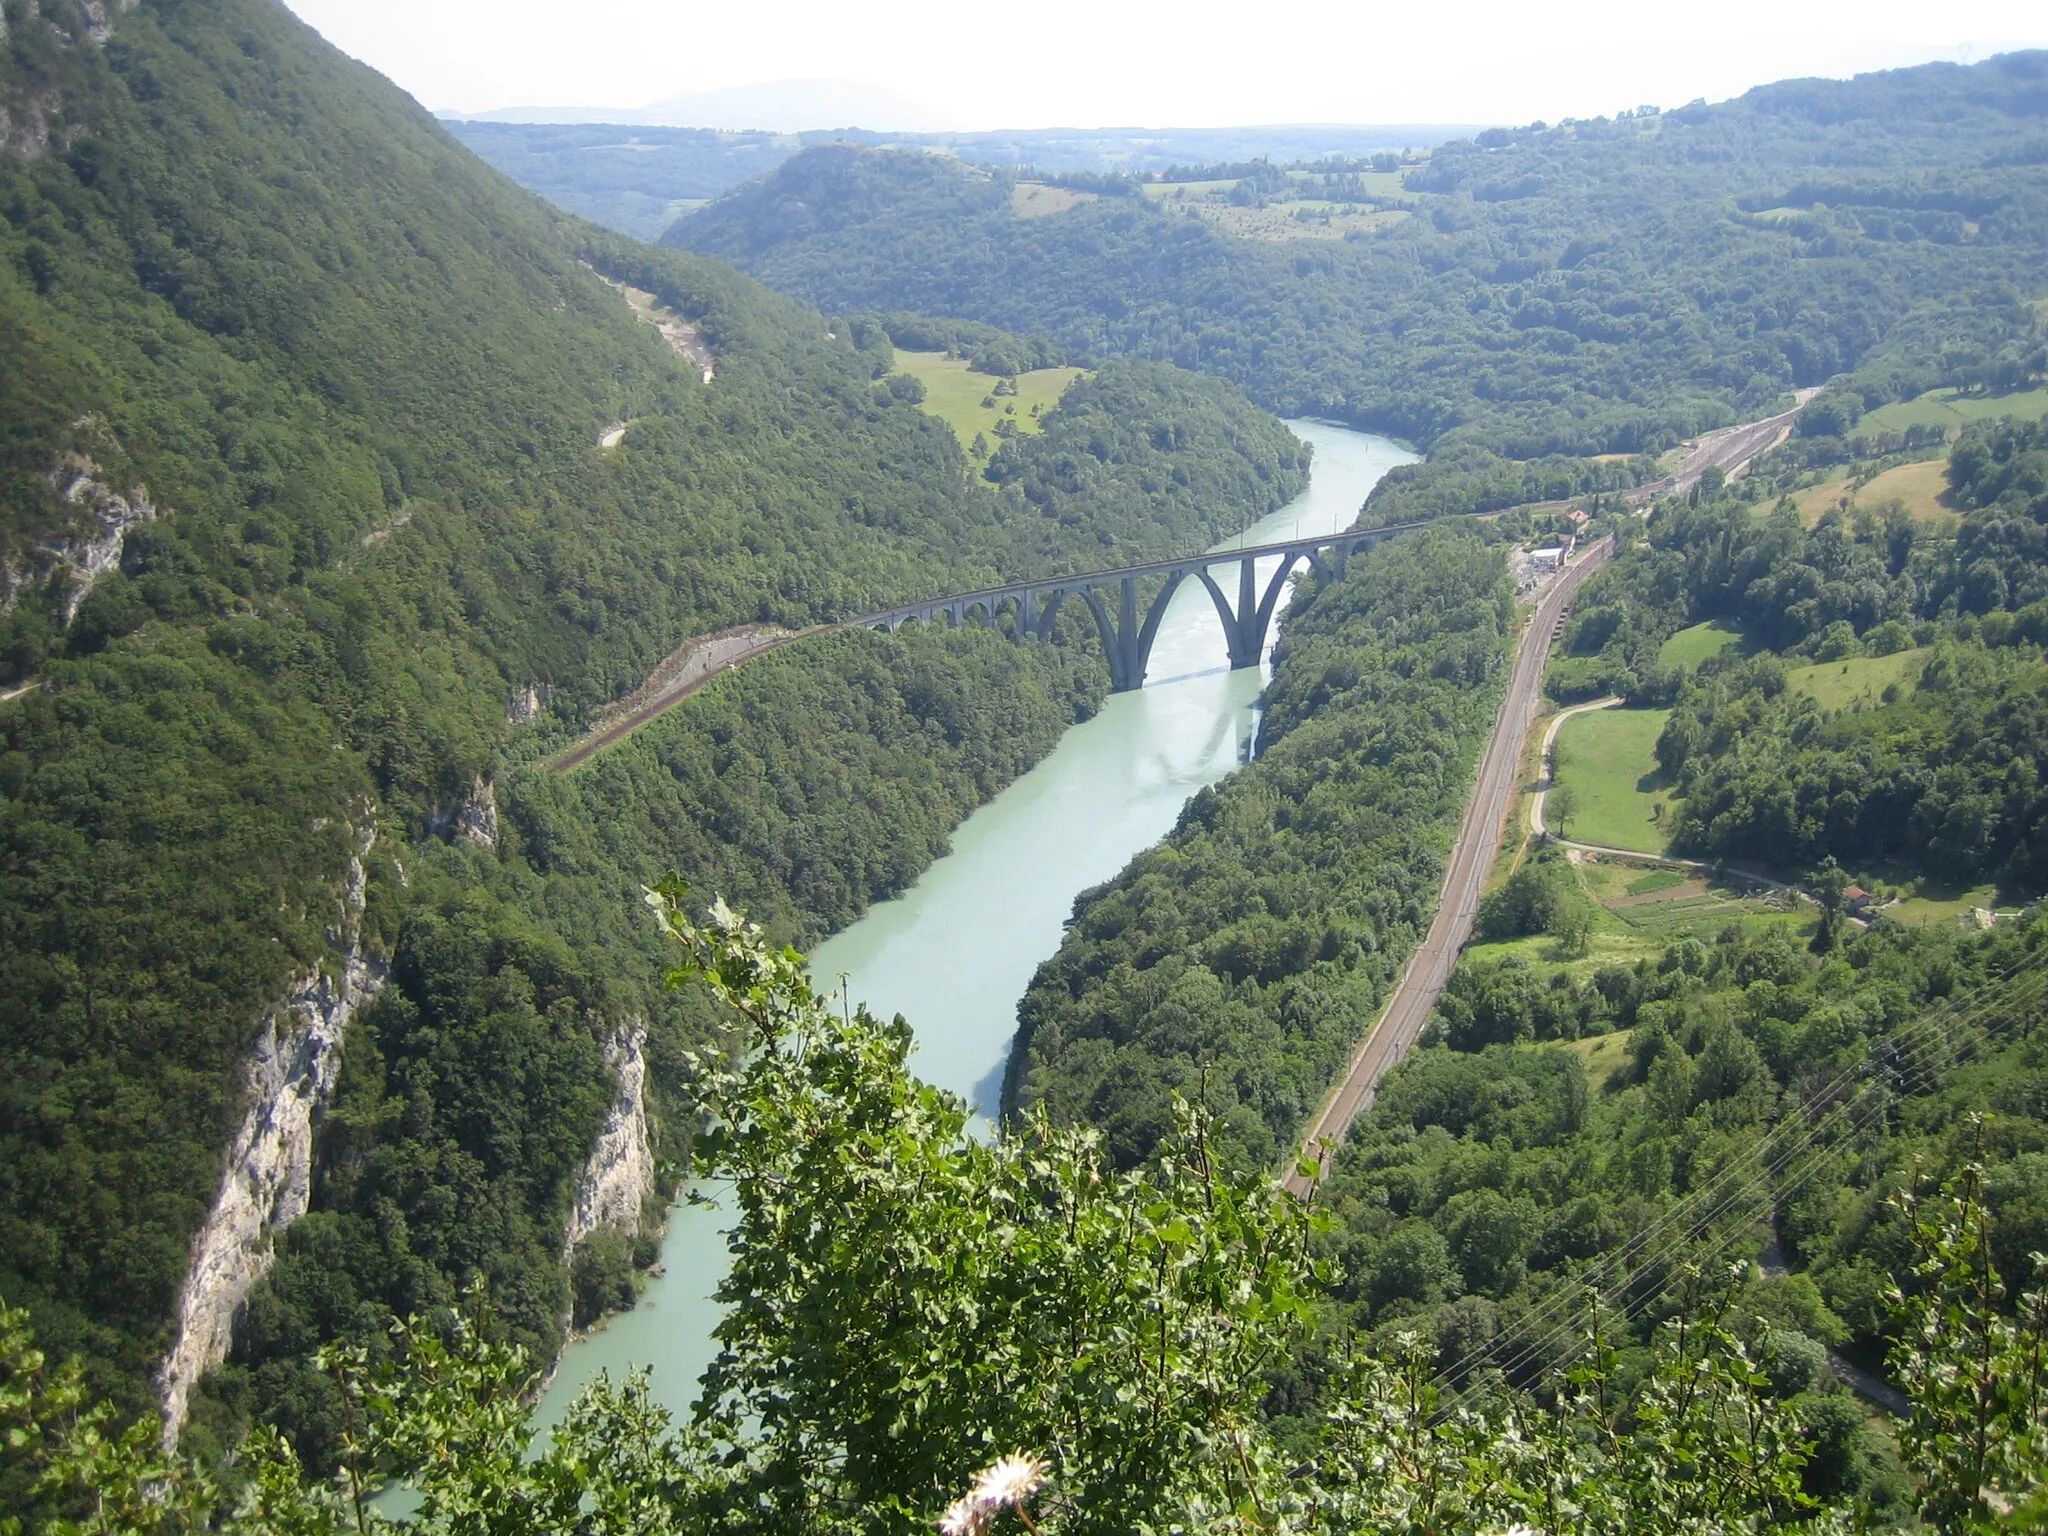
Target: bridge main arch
[[1127, 637]]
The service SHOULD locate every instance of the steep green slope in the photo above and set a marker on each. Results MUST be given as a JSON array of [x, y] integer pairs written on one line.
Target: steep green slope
[[1240, 961], [1594, 286], [302, 505]]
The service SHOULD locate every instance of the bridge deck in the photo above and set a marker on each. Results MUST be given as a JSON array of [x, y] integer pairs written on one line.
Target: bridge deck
[[1185, 564]]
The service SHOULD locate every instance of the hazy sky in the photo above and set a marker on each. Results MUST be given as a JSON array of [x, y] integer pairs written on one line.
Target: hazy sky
[[1095, 63]]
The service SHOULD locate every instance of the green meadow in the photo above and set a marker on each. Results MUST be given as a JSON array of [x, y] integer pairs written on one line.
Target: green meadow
[[1608, 758], [967, 402]]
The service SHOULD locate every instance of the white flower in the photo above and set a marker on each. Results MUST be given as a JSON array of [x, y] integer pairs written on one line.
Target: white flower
[[1003, 1486], [965, 1518], [1008, 1481]]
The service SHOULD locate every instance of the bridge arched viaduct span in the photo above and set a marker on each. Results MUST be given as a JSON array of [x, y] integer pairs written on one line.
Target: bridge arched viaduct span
[[1126, 635]]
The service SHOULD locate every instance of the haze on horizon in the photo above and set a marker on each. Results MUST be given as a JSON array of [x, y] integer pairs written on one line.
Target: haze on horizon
[[1116, 63]]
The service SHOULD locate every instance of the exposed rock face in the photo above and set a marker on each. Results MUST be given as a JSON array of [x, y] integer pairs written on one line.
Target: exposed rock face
[[82, 558], [100, 16], [527, 703], [477, 817], [474, 816], [268, 1181], [620, 1174], [26, 117]]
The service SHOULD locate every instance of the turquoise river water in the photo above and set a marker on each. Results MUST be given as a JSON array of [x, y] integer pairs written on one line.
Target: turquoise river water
[[955, 953]]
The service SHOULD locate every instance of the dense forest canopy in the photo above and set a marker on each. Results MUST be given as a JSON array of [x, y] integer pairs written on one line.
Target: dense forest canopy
[[1602, 286], [311, 551], [341, 483], [906, 1300]]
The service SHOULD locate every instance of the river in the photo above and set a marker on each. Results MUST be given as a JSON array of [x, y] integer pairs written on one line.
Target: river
[[955, 953]]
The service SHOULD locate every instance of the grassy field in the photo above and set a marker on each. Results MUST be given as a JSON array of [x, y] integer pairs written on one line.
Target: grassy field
[[1297, 221], [1304, 218], [1838, 684], [1930, 905], [1947, 408], [1608, 758], [1918, 487], [955, 396], [1034, 199], [1184, 191], [1606, 1058], [1690, 647]]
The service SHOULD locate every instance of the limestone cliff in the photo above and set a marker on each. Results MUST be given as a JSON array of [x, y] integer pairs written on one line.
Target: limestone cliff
[[620, 1174], [268, 1181], [80, 559], [29, 111], [474, 816]]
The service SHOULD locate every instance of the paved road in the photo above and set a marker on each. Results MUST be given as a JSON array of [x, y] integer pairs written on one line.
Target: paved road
[[1471, 858]]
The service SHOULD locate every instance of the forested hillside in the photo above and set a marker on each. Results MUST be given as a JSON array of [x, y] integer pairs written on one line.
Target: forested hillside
[[1602, 286], [1238, 963], [311, 555], [1936, 772]]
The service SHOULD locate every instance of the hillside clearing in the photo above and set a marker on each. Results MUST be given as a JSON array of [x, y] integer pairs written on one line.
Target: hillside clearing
[[1693, 645], [1838, 684], [1953, 410], [967, 401], [1919, 488], [1608, 759], [1036, 200]]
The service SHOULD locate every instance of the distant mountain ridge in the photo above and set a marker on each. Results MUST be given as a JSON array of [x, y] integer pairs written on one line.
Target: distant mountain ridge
[[1593, 286], [617, 170]]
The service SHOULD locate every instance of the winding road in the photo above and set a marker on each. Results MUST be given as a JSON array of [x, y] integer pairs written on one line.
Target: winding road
[[1471, 857]]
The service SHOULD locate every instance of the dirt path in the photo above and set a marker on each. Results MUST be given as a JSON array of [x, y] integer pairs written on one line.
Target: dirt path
[[1536, 824], [686, 669], [1549, 756], [1471, 857]]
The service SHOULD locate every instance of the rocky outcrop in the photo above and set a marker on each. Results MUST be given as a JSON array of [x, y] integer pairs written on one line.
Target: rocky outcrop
[[268, 1182], [620, 1174], [474, 816], [80, 559], [27, 117], [527, 703], [100, 16]]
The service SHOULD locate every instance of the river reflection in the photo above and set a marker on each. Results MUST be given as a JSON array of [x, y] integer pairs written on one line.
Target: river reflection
[[956, 952]]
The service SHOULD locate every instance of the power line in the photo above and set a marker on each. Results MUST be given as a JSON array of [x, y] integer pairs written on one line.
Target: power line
[[1911, 1049]]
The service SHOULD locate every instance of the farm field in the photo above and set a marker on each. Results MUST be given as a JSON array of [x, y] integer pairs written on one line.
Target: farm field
[[1639, 912], [1947, 408], [1608, 758], [1838, 684], [1297, 220], [1034, 199], [1693, 645], [1918, 487], [955, 395]]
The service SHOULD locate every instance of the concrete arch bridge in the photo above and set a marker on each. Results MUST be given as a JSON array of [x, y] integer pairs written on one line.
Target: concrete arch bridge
[[1112, 598]]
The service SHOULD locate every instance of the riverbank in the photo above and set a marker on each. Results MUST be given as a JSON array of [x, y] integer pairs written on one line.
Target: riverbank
[[956, 952]]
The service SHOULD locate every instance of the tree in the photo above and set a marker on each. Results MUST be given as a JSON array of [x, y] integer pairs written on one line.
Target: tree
[[1560, 804], [1572, 925], [1828, 885], [922, 1323]]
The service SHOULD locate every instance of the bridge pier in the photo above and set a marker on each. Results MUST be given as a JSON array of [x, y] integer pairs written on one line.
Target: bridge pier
[[1245, 625], [1127, 635]]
